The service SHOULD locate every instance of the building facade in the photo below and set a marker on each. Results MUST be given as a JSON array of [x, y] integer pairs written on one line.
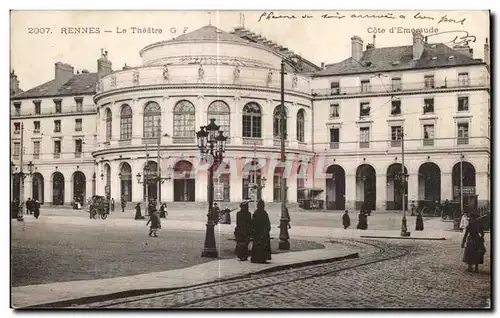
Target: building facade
[[346, 124]]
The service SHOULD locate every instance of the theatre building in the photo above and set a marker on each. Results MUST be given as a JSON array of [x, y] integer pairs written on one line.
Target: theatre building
[[104, 132]]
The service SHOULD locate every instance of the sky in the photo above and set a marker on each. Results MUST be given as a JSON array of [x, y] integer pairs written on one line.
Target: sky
[[319, 36]]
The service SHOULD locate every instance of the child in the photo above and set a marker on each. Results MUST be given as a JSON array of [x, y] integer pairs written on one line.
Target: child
[[155, 223]]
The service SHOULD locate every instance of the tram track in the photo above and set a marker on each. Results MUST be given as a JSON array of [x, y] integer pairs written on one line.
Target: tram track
[[212, 291]]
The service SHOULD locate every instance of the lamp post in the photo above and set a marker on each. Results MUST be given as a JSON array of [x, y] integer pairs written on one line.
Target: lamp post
[[404, 227], [211, 141], [461, 184], [146, 184], [12, 171], [30, 170], [258, 187]]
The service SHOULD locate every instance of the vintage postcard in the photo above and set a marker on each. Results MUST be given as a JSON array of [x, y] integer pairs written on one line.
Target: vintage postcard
[[250, 159]]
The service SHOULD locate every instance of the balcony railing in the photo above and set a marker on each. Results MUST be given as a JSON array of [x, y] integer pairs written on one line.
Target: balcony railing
[[277, 142], [395, 143], [251, 141], [48, 111], [78, 154], [414, 86], [57, 155], [334, 145], [462, 140], [428, 142], [36, 156], [364, 144], [183, 140]]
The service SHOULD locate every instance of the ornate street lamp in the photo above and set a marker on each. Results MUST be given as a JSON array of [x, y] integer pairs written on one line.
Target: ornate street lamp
[[211, 141]]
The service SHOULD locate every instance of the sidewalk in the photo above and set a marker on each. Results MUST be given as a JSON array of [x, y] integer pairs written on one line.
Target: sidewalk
[[218, 270]]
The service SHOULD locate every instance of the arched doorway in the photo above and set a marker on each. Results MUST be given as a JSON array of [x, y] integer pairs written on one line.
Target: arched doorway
[[335, 188], [301, 178], [79, 185], [277, 176], [125, 182], [366, 195], [57, 189], [107, 188], [184, 182], [429, 182], [395, 183], [37, 187], [252, 180], [150, 173], [468, 184], [222, 182]]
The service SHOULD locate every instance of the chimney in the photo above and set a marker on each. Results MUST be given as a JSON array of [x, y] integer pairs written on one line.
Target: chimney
[[14, 83], [486, 52], [103, 65], [418, 44], [356, 48], [85, 71], [323, 65], [464, 49], [63, 73], [370, 46]]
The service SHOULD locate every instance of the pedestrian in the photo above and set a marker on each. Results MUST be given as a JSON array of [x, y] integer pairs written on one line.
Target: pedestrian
[[419, 226], [163, 210], [154, 219], [412, 207], [346, 220], [362, 221], [138, 215], [123, 202], [464, 221], [36, 208], [29, 206], [112, 205], [261, 238], [243, 231], [473, 242], [216, 213]]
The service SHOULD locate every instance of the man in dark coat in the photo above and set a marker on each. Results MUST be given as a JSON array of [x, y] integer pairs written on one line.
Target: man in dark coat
[[243, 231], [362, 221], [154, 219], [473, 242], [123, 203], [36, 209], [346, 220], [138, 215], [261, 238], [419, 226]]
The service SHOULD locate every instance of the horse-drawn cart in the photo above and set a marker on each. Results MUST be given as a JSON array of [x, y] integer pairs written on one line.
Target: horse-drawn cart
[[99, 207]]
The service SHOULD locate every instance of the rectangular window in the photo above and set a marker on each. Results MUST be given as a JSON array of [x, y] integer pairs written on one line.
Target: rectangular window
[[57, 148], [17, 150], [78, 124], [57, 126], [396, 84], [365, 86], [37, 107], [78, 148], [463, 79], [334, 110], [17, 128], [396, 134], [364, 110], [79, 104], [17, 109], [463, 104], [36, 149], [335, 88], [364, 137], [396, 107], [428, 105], [36, 127], [463, 133], [58, 105], [428, 135], [334, 138], [429, 81]]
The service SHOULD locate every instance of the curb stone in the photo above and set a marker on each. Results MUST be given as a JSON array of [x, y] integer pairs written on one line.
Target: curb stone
[[405, 238], [139, 292]]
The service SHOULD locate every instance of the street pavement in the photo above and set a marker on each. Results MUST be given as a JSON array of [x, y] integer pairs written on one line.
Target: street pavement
[[401, 274]]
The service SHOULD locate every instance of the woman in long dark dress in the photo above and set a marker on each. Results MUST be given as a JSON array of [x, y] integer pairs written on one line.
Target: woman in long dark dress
[[419, 226], [473, 242], [261, 226], [242, 231], [36, 209]]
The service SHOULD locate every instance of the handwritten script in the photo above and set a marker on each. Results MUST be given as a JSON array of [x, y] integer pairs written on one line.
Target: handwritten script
[[445, 19], [459, 37]]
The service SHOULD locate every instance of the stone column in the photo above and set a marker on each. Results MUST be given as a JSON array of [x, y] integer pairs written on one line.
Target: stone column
[[68, 191], [446, 186], [237, 121], [166, 122], [267, 123], [137, 188], [482, 188], [412, 187], [115, 128], [350, 191], [292, 126], [381, 192], [47, 190], [137, 122], [115, 182]]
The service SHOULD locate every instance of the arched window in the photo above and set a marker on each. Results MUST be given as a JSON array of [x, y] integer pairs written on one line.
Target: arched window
[[278, 122], [126, 122], [184, 120], [109, 124], [252, 120], [152, 118], [222, 114], [300, 125]]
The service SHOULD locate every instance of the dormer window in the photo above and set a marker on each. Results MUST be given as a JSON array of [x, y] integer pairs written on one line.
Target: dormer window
[[451, 57]]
